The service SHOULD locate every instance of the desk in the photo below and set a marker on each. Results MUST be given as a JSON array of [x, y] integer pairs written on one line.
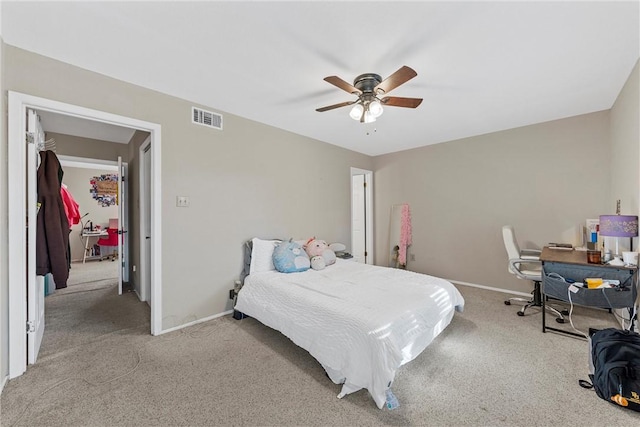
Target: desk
[[86, 236], [573, 264]]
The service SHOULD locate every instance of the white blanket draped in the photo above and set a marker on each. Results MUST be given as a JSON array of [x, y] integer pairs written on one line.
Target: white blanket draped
[[361, 322]]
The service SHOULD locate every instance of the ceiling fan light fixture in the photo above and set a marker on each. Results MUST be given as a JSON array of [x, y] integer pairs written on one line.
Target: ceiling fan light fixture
[[368, 117], [356, 111], [375, 108], [368, 107]]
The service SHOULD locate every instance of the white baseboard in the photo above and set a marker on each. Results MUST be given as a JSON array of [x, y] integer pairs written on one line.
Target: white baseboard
[[489, 288], [4, 382], [195, 322]]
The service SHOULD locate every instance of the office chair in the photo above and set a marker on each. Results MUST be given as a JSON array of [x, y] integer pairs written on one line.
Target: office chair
[[110, 241], [525, 264]]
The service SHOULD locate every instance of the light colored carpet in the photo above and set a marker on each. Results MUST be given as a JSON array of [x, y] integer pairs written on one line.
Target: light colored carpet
[[488, 368], [90, 275]]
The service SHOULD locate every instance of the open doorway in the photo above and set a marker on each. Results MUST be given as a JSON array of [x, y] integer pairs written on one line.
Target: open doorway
[[23, 286], [362, 215], [94, 304], [94, 238]]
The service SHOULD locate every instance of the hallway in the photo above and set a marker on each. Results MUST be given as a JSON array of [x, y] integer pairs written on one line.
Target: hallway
[[89, 308]]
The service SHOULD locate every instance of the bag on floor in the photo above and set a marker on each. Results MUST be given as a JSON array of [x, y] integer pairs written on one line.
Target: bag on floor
[[614, 360]]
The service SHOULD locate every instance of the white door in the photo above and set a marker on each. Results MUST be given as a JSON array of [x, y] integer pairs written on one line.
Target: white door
[[358, 218], [35, 284], [124, 217], [120, 199], [146, 229], [123, 226]]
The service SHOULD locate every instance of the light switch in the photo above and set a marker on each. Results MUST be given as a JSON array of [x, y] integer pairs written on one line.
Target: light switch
[[182, 201]]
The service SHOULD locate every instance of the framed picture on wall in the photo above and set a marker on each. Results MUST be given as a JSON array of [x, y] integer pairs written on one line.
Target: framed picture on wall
[[104, 189]]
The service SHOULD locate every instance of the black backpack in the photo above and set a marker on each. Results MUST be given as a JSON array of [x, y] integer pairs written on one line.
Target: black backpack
[[614, 362]]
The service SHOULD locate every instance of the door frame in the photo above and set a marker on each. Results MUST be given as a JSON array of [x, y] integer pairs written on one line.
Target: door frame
[[110, 165], [35, 284], [17, 221], [368, 214], [142, 178]]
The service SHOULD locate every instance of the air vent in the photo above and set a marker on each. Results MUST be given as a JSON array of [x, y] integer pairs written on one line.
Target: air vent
[[206, 118]]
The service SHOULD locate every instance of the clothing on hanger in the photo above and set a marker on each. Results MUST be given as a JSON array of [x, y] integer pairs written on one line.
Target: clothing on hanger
[[52, 232], [71, 207], [405, 234]]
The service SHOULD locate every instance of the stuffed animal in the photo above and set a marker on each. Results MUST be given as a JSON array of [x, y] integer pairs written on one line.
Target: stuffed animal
[[317, 262], [315, 247], [290, 257]]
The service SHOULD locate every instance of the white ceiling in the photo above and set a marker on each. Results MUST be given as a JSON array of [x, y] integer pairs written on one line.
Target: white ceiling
[[69, 125], [482, 66]]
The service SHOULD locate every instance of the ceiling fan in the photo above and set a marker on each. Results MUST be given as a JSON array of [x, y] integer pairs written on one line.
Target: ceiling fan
[[368, 87]]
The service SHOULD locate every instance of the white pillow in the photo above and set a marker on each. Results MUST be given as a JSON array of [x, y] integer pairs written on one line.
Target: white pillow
[[262, 255]]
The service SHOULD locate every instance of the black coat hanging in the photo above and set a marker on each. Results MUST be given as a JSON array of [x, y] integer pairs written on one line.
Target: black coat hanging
[[52, 235]]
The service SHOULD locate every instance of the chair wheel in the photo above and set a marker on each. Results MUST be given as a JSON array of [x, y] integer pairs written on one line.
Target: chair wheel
[[565, 313], [507, 302], [560, 320], [520, 313]]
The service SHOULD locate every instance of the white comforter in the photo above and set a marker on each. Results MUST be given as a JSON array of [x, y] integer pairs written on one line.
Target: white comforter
[[359, 321]]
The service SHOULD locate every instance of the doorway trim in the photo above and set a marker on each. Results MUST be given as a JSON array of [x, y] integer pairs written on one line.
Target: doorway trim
[[17, 188], [87, 163], [368, 214], [108, 165], [142, 214]]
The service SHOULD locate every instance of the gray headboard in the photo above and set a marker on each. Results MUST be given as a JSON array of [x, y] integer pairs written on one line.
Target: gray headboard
[[246, 264]]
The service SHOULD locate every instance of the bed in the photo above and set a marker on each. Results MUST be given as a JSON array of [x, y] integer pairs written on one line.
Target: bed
[[361, 322]]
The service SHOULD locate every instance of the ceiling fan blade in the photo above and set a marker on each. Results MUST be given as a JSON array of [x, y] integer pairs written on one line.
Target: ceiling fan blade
[[401, 76], [331, 107], [396, 101], [338, 82]]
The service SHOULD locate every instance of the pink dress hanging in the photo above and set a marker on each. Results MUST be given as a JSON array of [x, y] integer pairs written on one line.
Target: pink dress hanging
[[405, 234]]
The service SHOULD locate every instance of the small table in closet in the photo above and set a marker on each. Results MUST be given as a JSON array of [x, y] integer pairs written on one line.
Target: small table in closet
[[87, 235]]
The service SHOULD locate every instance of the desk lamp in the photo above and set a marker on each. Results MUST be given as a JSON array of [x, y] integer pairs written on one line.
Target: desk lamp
[[619, 226]]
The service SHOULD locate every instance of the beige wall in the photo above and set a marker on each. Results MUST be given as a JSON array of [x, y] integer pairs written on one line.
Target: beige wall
[[625, 157], [248, 180], [625, 151], [543, 179]]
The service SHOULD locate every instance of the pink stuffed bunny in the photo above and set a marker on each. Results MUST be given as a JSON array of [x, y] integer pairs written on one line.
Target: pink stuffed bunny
[[316, 247]]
